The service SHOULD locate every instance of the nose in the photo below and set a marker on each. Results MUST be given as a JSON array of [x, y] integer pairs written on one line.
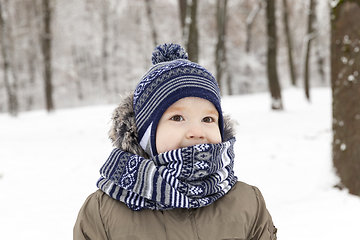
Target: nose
[[195, 131]]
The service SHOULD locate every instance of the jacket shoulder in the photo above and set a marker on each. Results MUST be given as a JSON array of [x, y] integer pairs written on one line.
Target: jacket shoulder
[[103, 217], [251, 197], [244, 207], [89, 223]]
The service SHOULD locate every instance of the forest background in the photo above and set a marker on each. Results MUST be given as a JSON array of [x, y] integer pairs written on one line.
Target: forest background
[[100, 49]]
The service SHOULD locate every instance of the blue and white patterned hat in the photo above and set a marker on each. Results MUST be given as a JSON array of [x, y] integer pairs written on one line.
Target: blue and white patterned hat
[[171, 78]]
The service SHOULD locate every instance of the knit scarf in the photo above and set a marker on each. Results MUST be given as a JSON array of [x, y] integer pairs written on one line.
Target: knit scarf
[[189, 177]]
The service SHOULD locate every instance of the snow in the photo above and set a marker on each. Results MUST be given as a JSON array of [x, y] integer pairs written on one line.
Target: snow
[[49, 164], [334, 3]]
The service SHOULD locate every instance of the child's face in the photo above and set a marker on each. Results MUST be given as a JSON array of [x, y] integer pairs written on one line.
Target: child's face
[[188, 122]]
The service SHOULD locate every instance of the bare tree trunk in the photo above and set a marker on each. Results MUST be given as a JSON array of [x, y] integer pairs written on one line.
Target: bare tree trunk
[[10, 88], [229, 83], [271, 57], [182, 13], [320, 60], [32, 74], [183, 9], [31, 54], [319, 52], [188, 20], [345, 79], [116, 46], [192, 44], [220, 52], [80, 70], [105, 42], [310, 36], [46, 51], [249, 23], [151, 22], [289, 43]]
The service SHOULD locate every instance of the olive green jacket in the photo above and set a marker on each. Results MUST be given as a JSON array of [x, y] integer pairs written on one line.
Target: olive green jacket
[[240, 214]]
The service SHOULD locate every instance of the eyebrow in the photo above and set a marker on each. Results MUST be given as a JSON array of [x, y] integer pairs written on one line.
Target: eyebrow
[[215, 112], [175, 109]]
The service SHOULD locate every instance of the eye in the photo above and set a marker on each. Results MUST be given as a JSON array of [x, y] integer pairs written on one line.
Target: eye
[[208, 119], [177, 118]]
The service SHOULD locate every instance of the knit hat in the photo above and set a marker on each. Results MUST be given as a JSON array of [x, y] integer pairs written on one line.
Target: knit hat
[[171, 78]]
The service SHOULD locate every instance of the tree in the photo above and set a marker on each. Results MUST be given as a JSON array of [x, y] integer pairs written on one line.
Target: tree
[[105, 9], [31, 51], [249, 24], [151, 22], [289, 42], [319, 51], [10, 83], [182, 14], [46, 51], [188, 19], [309, 37], [345, 79], [271, 57], [220, 52]]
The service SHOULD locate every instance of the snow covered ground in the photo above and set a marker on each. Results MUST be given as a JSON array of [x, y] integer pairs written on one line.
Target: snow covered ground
[[49, 165]]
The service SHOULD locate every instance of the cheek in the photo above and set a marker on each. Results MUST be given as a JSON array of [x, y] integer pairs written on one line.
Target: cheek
[[169, 142], [166, 138], [218, 138], [215, 135]]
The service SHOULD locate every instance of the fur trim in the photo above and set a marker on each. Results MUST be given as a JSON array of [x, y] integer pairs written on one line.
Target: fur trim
[[123, 132], [229, 127]]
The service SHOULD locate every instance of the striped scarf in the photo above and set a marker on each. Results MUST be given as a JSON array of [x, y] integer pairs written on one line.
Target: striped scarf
[[189, 177]]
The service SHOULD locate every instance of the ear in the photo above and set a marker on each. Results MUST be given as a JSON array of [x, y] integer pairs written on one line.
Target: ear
[[123, 132]]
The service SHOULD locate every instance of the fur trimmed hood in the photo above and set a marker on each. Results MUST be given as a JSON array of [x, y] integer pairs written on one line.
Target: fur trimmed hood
[[123, 132]]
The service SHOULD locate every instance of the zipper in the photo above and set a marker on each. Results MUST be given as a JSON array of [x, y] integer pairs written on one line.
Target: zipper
[[164, 217], [193, 222]]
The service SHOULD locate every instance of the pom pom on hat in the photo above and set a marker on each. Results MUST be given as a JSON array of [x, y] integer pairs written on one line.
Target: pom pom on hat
[[172, 77], [168, 52]]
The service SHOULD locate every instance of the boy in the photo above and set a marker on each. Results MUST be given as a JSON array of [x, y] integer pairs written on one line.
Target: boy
[[171, 174]]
